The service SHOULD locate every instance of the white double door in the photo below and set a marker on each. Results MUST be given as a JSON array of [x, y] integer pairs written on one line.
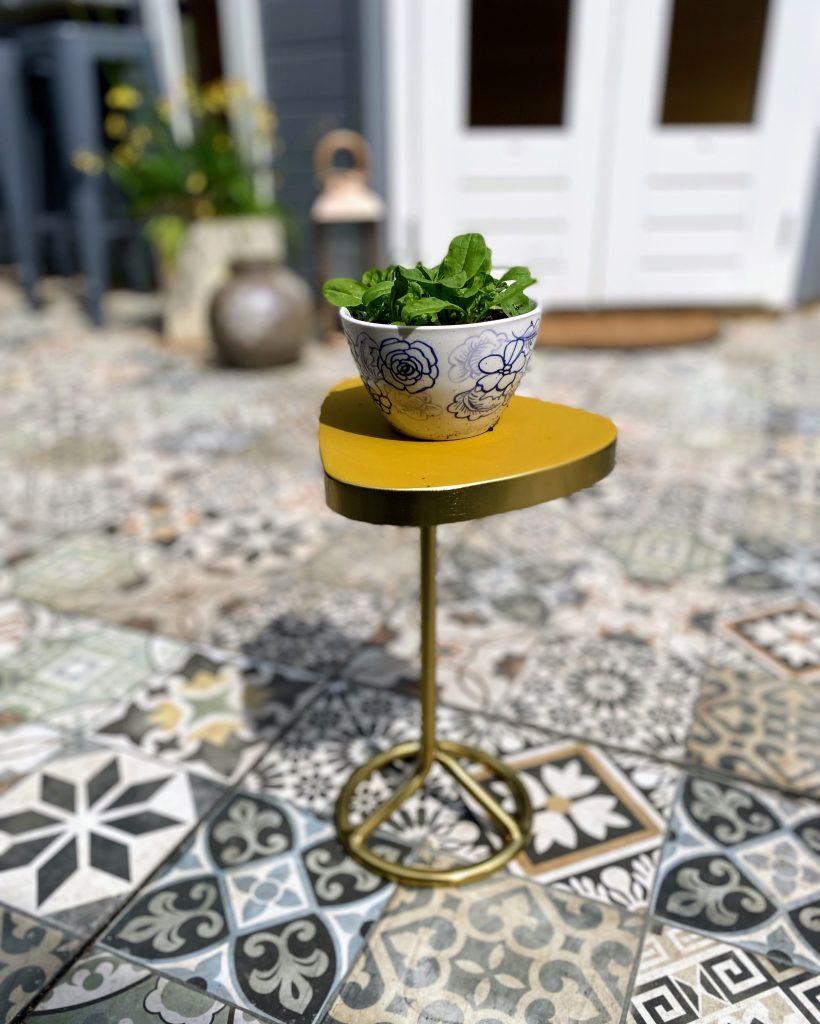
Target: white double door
[[619, 203]]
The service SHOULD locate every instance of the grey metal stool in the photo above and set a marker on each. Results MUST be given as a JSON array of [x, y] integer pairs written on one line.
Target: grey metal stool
[[69, 53], [16, 167]]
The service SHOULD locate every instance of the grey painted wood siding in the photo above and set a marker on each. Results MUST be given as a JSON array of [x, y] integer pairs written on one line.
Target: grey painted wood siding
[[314, 81]]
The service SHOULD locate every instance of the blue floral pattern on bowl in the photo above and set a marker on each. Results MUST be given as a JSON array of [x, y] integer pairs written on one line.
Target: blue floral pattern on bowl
[[442, 383]]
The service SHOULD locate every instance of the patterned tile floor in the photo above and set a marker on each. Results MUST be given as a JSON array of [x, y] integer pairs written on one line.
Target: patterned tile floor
[[194, 653]]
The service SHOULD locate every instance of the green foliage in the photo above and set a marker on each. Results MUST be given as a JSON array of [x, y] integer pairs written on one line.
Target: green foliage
[[170, 181], [460, 290]]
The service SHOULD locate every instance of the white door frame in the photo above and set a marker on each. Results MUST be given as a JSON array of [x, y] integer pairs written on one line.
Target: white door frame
[[785, 173], [241, 43]]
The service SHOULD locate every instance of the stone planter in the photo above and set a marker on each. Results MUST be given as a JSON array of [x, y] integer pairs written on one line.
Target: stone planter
[[207, 251], [442, 383]]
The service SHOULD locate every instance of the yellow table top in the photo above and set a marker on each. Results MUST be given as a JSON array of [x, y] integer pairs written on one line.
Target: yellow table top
[[536, 452]]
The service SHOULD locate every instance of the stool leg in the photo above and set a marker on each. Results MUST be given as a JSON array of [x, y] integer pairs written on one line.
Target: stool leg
[[428, 648], [75, 93], [16, 172]]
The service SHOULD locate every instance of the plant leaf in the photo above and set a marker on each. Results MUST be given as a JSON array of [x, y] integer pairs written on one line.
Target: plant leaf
[[376, 292], [420, 308], [343, 291], [467, 253]]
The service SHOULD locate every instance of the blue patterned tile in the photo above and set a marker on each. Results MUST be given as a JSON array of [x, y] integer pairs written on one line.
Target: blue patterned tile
[[262, 907]]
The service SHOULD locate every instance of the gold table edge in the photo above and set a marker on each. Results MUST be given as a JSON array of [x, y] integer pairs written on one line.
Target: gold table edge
[[433, 506]]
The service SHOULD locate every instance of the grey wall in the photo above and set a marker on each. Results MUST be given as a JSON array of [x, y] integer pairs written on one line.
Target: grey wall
[[314, 79]]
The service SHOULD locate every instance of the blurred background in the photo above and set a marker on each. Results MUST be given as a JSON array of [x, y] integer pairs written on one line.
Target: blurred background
[[636, 154]]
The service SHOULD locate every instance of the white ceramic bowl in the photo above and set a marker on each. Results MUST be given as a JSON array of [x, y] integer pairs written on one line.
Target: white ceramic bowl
[[442, 383]]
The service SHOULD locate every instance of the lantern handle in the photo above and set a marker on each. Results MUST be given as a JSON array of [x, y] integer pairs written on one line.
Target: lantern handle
[[337, 141]]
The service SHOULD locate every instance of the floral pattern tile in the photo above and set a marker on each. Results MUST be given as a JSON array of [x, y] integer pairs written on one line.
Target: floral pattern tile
[[65, 671], [599, 820], [262, 907], [75, 572], [785, 638], [743, 864], [502, 950], [32, 953], [616, 689], [101, 986], [759, 728], [687, 977], [769, 565], [80, 833], [302, 623], [215, 714]]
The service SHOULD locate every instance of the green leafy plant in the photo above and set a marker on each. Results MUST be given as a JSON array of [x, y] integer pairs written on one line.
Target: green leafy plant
[[170, 181], [460, 290]]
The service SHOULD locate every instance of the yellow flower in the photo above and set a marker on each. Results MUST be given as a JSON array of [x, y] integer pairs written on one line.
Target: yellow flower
[[222, 143], [236, 90], [115, 126], [214, 97], [192, 94], [87, 162], [265, 120], [196, 183], [125, 155], [204, 208], [123, 97], [141, 136]]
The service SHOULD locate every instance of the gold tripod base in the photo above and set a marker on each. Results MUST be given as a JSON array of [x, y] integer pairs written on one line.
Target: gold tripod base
[[515, 828]]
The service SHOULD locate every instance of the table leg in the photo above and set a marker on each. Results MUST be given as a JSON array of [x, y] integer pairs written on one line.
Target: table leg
[[426, 752]]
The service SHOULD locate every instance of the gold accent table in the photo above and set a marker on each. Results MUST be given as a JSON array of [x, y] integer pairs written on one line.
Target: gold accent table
[[538, 451]]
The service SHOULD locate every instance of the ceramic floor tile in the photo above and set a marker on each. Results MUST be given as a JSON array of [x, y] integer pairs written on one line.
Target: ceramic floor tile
[[616, 689], [81, 832], [23, 747], [758, 728], [32, 953], [75, 573], [303, 624], [180, 598], [768, 566], [599, 820], [101, 986], [261, 907], [686, 977], [743, 864], [214, 715], [64, 671], [784, 637], [502, 950]]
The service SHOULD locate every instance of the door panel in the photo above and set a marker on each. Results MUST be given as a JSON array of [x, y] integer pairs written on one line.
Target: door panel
[[529, 189], [690, 206]]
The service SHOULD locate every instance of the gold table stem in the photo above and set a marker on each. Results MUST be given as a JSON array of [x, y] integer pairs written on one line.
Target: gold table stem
[[426, 752]]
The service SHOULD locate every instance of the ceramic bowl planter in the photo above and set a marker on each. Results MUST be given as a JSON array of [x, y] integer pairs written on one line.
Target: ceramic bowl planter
[[442, 383]]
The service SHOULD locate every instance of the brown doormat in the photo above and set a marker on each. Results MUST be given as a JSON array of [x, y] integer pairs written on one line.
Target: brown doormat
[[627, 328]]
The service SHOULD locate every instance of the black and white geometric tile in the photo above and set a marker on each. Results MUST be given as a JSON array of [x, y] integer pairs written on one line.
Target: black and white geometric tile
[[82, 831], [743, 864], [262, 907], [686, 977]]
